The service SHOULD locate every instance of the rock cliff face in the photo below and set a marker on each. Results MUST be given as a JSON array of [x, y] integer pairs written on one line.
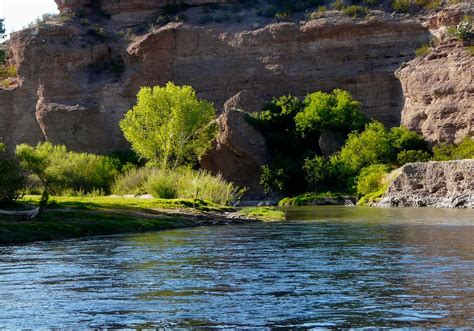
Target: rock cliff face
[[75, 85], [78, 78], [439, 87], [439, 94], [447, 184]]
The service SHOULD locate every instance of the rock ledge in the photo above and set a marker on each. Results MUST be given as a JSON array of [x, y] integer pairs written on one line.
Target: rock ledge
[[448, 184]]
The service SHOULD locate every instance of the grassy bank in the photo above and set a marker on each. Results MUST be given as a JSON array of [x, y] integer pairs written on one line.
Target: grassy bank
[[71, 217], [310, 199]]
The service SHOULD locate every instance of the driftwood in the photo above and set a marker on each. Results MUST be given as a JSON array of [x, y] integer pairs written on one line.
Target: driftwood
[[24, 214]]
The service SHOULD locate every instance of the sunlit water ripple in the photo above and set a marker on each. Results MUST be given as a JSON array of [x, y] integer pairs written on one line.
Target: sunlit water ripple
[[326, 267]]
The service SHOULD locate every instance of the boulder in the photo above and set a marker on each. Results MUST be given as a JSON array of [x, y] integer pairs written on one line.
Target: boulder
[[330, 142], [238, 153], [448, 184]]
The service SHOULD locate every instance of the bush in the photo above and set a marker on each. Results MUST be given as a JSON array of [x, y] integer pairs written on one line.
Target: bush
[[446, 152], [318, 12], [8, 71], [401, 6], [464, 29], [370, 179], [410, 156], [64, 172], [329, 111], [423, 50], [13, 181], [180, 183], [164, 185], [273, 180], [133, 181], [355, 11], [372, 146]]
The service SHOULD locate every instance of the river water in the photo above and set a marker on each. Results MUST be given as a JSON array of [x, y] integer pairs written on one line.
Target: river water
[[323, 267]]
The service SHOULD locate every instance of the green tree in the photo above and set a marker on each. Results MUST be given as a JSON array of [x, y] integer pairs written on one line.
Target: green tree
[[12, 179], [329, 111], [370, 179], [169, 125], [61, 171], [371, 146]]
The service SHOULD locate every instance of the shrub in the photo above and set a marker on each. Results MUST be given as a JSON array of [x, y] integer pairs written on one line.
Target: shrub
[[446, 152], [410, 156], [169, 125], [372, 146], [355, 11], [179, 183], [329, 111], [164, 185], [283, 16], [273, 180], [62, 171], [133, 181], [403, 139], [8, 71], [464, 29], [318, 12], [370, 179], [401, 6], [423, 50], [13, 181]]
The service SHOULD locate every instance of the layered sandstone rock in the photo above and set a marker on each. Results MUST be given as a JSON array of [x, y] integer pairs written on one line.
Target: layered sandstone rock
[[438, 88], [239, 152], [73, 92], [433, 184], [439, 94]]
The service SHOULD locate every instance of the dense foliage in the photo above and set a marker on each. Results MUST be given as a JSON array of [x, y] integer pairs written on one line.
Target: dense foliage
[[64, 172], [12, 179], [293, 128], [463, 150], [169, 125], [181, 183]]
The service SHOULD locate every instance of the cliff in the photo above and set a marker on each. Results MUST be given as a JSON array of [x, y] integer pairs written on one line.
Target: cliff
[[79, 73], [438, 87], [447, 184], [78, 78]]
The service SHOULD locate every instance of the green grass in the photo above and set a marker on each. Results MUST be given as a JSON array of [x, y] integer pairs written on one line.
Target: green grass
[[314, 198], [423, 50], [266, 214], [59, 224], [71, 217], [108, 202]]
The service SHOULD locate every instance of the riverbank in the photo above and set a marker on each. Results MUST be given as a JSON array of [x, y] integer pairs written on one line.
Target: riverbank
[[72, 217]]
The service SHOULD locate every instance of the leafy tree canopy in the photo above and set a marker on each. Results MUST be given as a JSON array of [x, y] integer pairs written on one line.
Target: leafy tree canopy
[[169, 125]]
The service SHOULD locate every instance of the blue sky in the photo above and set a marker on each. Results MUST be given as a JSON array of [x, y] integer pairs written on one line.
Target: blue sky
[[18, 13]]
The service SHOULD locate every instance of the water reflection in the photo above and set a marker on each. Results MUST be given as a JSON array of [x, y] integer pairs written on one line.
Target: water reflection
[[324, 267]]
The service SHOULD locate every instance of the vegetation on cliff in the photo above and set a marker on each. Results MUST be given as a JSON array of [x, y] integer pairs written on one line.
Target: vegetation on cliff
[[294, 129]]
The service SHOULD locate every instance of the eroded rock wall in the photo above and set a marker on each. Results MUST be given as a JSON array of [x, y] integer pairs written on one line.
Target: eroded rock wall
[[439, 87], [75, 86], [447, 184]]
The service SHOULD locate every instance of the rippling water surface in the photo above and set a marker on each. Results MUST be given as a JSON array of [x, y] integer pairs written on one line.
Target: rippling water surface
[[324, 267]]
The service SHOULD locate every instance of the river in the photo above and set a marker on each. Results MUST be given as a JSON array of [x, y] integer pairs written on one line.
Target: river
[[323, 267]]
